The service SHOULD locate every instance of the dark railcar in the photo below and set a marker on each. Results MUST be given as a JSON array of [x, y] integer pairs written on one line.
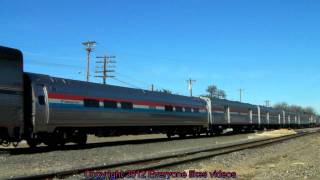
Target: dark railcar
[[11, 94]]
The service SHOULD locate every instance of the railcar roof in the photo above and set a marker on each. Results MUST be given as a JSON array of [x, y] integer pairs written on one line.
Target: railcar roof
[[125, 92], [142, 94], [10, 54], [232, 103]]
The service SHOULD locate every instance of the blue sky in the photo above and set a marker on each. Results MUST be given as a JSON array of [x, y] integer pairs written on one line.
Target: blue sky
[[270, 48]]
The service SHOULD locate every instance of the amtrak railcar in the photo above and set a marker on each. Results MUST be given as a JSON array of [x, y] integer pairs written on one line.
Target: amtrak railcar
[[67, 109]]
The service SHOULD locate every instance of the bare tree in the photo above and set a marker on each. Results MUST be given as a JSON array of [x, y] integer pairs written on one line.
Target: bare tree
[[281, 106], [294, 108], [212, 90], [222, 94], [309, 110], [166, 91]]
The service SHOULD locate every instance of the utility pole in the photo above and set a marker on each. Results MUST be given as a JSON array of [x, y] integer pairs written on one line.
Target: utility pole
[[89, 45], [267, 103], [190, 83], [240, 93], [105, 67]]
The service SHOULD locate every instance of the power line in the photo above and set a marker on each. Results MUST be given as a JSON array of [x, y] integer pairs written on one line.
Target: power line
[[146, 84], [51, 64], [129, 84], [130, 77], [89, 45]]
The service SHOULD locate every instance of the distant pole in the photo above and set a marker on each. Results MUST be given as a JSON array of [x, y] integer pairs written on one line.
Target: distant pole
[[105, 67], [89, 45], [267, 103], [190, 83], [152, 87], [240, 94]]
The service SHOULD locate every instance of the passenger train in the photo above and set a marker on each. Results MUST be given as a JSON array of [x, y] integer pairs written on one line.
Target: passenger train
[[54, 111]]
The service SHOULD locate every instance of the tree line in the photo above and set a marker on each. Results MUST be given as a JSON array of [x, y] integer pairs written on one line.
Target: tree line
[[294, 108]]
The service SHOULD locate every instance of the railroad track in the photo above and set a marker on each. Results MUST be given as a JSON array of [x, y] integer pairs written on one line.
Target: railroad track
[[166, 160], [45, 149]]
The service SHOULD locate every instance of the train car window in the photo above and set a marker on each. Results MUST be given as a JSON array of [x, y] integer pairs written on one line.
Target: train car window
[[126, 105], [168, 108], [91, 103], [187, 109], [110, 104], [178, 109], [195, 110], [41, 100]]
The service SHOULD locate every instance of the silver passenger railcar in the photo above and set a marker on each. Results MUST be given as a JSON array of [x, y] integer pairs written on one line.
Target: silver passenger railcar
[[67, 109], [233, 114]]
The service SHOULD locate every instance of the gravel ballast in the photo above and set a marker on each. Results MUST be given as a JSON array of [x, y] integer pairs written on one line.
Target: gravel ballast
[[294, 159]]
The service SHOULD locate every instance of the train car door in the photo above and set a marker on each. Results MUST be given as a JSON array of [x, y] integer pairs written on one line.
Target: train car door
[[42, 107]]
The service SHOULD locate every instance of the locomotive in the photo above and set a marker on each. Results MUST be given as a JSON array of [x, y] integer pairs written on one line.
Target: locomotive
[[44, 109]]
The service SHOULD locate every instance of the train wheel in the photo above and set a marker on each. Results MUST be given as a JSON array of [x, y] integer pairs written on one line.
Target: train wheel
[[15, 144], [32, 143], [51, 140], [218, 131], [62, 143], [81, 139], [169, 135], [182, 135], [51, 144], [194, 134]]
